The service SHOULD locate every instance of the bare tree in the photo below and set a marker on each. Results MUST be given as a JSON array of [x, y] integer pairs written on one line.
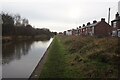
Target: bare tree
[[25, 22], [17, 19]]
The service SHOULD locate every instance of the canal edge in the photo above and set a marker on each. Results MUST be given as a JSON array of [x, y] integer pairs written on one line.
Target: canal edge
[[36, 72]]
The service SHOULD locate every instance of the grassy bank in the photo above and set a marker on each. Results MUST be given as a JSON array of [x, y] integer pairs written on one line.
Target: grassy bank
[[82, 57], [55, 65]]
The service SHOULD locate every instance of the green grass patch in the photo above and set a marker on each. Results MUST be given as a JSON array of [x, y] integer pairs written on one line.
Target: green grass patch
[[55, 65]]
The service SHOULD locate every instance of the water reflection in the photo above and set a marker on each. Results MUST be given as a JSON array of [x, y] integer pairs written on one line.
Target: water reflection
[[15, 51], [20, 59]]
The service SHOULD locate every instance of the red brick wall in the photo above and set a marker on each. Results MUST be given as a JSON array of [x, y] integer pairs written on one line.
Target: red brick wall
[[102, 29], [118, 24]]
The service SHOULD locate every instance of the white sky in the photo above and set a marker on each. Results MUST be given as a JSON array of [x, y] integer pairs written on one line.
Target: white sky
[[60, 15]]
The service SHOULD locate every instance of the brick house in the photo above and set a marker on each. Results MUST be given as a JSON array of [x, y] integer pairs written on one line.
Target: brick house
[[99, 29], [79, 30], [64, 32], [60, 33], [69, 32], [75, 32], [82, 30], [116, 26]]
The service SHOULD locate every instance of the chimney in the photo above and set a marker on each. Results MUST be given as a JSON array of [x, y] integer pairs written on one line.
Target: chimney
[[117, 15], [88, 23], [103, 19], [79, 26], [83, 25], [94, 21]]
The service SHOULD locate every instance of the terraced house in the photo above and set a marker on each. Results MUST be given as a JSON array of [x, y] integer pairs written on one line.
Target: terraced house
[[69, 32], [99, 29], [116, 26]]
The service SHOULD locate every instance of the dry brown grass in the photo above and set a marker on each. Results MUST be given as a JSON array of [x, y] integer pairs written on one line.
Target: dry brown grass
[[91, 56]]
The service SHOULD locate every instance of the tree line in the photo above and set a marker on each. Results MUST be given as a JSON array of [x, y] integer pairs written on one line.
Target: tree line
[[14, 25]]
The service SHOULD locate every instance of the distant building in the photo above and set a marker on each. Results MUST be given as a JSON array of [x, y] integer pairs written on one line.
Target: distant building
[[75, 32], [116, 25], [119, 7], [69, 32], [64, 32], [60, 33], [99, 29]]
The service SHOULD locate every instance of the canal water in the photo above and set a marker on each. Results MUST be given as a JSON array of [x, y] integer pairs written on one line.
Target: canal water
[[19, 60]]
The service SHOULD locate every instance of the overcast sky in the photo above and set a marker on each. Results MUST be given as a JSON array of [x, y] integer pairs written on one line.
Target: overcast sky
[[60, 15]]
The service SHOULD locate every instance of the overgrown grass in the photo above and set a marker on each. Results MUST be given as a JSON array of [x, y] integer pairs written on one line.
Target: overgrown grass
[[90, 57], [82, 57]]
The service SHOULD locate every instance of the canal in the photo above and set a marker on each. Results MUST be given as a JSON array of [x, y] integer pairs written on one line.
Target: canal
[[20, 59]]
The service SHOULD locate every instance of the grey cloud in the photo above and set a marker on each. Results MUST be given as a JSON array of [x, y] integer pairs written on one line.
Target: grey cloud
[[60, 11]]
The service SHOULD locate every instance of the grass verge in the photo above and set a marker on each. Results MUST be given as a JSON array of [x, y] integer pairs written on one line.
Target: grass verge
[[55, 65]]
